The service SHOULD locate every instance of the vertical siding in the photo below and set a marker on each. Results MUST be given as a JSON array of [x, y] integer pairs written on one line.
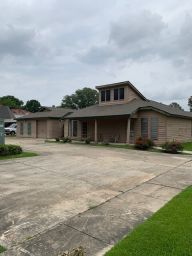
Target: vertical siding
[[179, 129]]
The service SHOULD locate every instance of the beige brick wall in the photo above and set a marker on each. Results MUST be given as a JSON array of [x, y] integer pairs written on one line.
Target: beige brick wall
[[55, 128], [170, 128], [129, 96], [25, 132], [179, 129], [42, 129], [162, 129]]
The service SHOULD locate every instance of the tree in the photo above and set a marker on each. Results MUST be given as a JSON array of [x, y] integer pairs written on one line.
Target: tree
[[176, 105], [11, 101], [33, 106], [190, 103], [81, 98]]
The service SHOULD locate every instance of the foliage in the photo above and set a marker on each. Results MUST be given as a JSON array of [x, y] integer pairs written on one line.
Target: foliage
[[81, 98], [166, 233], [2, 249], [190, 103], [187, 146], [66, 140], [23, 154], [8, 150], [87, 140], [11, 101], [143, 144], [176, 105], [57, 139], [173, 147], [33, 106]]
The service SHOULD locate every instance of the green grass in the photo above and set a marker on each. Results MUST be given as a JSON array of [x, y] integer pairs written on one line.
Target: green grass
[[2, 249], [187, 146], [167, 233], [24, 154]]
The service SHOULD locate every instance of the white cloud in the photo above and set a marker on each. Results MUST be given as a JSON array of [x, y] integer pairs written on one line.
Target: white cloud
[[50, 48]]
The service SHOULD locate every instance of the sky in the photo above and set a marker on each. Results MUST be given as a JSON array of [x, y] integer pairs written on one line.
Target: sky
[[50, 48]]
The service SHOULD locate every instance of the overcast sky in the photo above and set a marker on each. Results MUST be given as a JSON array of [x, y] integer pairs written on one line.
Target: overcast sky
[[50, 48]]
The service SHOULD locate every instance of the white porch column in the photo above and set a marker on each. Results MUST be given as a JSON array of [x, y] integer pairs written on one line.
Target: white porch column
[[96, 138], [128, 130]]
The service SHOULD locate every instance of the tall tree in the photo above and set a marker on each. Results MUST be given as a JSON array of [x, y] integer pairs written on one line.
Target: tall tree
[[81, 98], [33, 106], [190, 103], [176, 105], [11, 101]]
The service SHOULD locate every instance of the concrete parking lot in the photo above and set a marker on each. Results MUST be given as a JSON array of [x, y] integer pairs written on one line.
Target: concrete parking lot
[[73, 195]]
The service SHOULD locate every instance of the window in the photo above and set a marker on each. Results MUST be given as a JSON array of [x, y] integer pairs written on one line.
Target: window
[[105, 95], [144, 128], [116, 94], [29, 128], [21, 128], [119, 94], [108, 95], [154, 128], [102, 95], [74, 128], [84, 129]]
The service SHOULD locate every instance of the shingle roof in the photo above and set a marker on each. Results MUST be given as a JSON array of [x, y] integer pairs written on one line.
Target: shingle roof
[[56, 114], [128, 109], [5, 112]]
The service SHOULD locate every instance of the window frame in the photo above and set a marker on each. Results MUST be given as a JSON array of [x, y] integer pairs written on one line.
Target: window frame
[[117, 93], [145, 135], [74, 128], [21, 128], [29, 128], [105, 95]]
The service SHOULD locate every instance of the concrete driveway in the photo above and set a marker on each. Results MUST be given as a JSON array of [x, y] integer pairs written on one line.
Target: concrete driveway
[[75, 195]]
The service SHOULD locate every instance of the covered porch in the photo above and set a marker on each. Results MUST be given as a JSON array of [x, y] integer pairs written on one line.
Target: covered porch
[[112, 130]]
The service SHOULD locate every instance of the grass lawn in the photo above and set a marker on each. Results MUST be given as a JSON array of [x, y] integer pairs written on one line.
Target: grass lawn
[[2, 249], [167, 233], [187, 146], [24, 154]]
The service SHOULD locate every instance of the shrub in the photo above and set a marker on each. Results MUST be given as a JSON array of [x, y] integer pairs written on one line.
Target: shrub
[[6, 150], [105, 143], [66, 140], [87, 141], [57, 139], [143, 144], [173, 147], [14, 149]]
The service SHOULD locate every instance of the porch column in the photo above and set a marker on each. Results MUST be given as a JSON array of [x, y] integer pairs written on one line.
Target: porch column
[[128, 130], [96, 138]]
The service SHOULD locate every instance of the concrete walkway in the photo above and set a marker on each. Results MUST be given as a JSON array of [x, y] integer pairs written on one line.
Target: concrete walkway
[[75, 195]]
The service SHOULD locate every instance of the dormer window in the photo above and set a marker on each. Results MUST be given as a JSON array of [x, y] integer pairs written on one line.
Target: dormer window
[[105, 95], [119, 94]]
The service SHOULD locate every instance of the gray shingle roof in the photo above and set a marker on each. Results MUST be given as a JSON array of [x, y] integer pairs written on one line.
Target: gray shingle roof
[[56, 114], [6, 113], [128, 109]]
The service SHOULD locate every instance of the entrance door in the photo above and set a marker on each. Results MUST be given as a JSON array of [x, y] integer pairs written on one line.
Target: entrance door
[[84, 130]]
